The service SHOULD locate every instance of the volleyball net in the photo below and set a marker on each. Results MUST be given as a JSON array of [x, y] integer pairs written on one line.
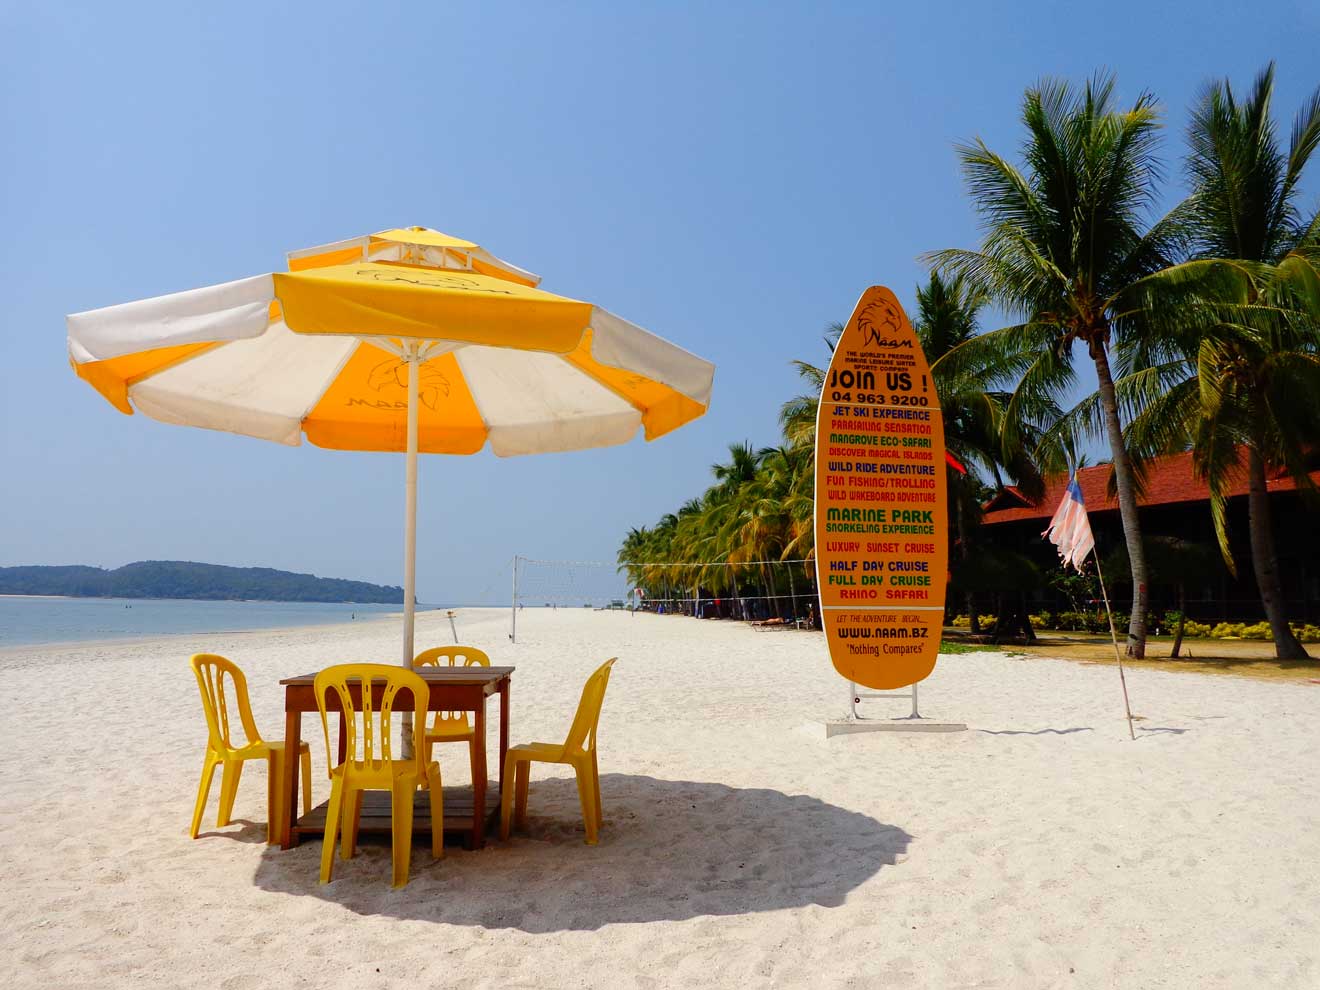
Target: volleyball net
[[755, 590]]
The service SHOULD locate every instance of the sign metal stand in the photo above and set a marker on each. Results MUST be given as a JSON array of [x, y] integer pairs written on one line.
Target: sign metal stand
[[855, 697]]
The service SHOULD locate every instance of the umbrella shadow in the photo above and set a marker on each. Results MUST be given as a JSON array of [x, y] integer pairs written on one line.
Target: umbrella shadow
[[670, 850]]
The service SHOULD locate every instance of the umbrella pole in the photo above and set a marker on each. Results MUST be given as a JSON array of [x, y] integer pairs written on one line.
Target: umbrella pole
[[410, 532]]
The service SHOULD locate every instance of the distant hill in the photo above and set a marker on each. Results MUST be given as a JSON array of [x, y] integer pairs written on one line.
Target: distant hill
[[185, 579]]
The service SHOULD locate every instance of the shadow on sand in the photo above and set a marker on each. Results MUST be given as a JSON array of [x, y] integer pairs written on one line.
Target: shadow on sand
[[670, 850], [1035, 732], [250, 832]]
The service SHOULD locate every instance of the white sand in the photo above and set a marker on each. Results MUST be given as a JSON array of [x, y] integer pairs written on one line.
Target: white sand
[[1041, 848]]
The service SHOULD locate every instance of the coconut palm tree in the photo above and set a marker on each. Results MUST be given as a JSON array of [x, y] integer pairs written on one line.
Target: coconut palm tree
[[1065, 240], [1241, 383], [771, 524]]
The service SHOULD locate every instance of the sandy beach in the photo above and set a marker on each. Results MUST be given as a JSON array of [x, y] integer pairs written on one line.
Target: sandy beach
[[1039, 848]]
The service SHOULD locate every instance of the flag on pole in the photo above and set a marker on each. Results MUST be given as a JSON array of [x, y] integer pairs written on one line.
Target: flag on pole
[[1070, 529]]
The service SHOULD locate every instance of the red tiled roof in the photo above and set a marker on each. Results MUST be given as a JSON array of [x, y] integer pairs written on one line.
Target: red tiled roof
[[1010, 496], [1169, 480]]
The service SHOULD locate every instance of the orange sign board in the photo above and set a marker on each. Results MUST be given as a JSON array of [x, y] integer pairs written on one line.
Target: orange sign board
[[881, 501]]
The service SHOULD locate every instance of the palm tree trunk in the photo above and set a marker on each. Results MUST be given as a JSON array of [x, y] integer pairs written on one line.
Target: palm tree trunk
[[974, 627], [1266, 561], [1182, 620], [1127, 502]]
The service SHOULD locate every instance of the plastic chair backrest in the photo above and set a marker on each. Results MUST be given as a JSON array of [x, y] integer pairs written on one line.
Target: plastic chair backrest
[[213, 673], [438, 656], [368, 722], [582, 734]]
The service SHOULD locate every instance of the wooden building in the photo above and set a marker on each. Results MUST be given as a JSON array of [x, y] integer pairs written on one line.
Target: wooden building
[[1174, 503]]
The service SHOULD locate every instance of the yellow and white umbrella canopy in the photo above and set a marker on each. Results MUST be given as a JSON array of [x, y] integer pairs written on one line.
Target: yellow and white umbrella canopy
[[406, 340], [322, 351]]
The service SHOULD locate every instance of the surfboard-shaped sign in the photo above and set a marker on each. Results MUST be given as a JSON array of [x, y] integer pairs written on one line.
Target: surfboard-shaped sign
[[881, 501]]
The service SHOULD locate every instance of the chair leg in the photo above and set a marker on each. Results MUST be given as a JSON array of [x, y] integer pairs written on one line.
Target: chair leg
[[506, 795], [306, 784], [274, 806], [595, 782], [332, 813], [203, 789], [233, 770], [437, 811], [401, 819], [522, 784], [350, 820], [583, 773]]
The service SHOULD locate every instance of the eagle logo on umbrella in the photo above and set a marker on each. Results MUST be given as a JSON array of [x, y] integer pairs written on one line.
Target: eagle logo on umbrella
[[431, 383]]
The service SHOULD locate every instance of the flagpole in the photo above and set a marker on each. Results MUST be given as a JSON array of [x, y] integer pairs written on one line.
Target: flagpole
[[1114, 636]]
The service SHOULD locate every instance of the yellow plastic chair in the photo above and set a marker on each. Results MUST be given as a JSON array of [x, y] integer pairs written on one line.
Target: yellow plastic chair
[[214, 673], [370, 764], [452, 726], [578, 751]]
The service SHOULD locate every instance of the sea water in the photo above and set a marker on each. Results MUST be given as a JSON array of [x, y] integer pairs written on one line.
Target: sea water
[[28, 620]]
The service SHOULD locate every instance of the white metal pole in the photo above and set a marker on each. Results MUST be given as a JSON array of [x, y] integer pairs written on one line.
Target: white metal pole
[[410, 533], [513, 611], [410, 511]]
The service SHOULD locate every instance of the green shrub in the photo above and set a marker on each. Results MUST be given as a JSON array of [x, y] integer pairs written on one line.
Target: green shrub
[[1227, 630], [1197, 630], [1071, 621], [1307, 633], [962, 622], [1261, 630]]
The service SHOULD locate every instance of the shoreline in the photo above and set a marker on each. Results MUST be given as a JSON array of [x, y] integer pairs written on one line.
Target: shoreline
[[154, 639], [318, 612], [237, 601]]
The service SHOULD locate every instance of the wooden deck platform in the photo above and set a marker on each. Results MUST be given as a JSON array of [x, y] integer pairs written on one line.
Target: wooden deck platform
[[376, 813]]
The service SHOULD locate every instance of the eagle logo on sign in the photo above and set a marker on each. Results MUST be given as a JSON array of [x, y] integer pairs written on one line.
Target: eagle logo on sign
[[876, 318]]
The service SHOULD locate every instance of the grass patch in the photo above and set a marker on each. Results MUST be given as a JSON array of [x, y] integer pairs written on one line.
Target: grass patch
[[950, 646], [1242, 658]]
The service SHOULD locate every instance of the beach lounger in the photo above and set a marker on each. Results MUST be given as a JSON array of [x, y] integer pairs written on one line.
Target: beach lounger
[[213, 674], [370, 765], [578, 751]]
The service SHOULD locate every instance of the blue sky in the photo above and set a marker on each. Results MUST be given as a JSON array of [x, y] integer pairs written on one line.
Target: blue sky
[[728, 176]]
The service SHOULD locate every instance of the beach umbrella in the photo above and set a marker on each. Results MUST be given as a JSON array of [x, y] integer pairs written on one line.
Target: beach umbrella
[[408, 340]]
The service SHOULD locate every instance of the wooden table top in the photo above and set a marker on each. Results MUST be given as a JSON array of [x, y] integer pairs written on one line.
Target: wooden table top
[[432, 675]]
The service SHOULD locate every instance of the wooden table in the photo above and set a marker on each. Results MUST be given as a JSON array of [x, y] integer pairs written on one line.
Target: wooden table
[[452, 689]]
